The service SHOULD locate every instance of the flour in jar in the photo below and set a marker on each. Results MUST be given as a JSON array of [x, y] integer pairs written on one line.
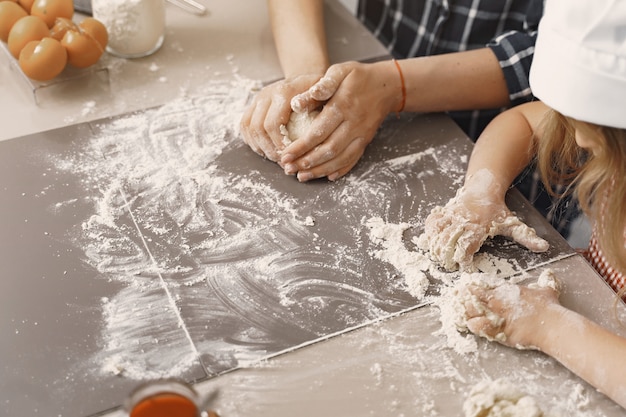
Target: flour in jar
[[136, 27]]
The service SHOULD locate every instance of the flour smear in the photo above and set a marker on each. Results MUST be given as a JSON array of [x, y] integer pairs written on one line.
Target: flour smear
[[220, 264]]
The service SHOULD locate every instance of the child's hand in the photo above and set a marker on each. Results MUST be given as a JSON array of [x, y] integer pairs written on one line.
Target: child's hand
[[510, 314], [454, 233]]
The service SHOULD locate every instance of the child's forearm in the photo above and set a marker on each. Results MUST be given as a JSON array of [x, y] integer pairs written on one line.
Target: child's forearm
[[587, 349], [506, 146]]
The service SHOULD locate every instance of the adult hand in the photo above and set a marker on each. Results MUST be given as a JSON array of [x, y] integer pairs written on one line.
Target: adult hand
[[510, 314], [454, 233], [270, 108], [356, 98]]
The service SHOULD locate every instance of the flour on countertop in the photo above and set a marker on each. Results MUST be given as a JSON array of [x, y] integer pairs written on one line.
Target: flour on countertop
[[219, 265], [407, 160], [488, 263], [160, 163], [415, 267], [499, 398], [452, 316], [202, 244], [411, 264]]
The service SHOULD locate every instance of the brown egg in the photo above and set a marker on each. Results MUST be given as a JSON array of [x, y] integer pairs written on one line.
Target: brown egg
[[43, 60], [82, 50], [28, 28], [9, 14], [26, 4], [96, 30], [50, 10], [61, 26]]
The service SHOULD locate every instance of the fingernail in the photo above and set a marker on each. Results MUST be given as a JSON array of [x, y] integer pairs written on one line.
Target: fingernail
[[297, 104], [287, 158], [304, 176], [291, 169]]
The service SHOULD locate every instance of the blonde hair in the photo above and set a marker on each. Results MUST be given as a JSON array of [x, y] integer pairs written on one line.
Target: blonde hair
[[597, 179]]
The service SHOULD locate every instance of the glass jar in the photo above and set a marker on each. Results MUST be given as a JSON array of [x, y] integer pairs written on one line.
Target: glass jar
[[167, 397], [136, 27]]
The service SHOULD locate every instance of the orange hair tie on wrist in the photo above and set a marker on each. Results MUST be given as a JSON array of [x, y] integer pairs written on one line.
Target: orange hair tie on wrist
[[403, 87]]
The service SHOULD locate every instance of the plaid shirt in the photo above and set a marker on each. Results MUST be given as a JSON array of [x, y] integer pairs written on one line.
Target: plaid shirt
[[410, 28]]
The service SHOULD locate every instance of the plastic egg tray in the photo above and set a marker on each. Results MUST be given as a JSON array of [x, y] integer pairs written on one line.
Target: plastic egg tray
[[72, 81]]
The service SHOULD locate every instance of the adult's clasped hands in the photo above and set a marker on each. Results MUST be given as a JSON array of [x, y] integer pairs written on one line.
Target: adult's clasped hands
[[354, 99]]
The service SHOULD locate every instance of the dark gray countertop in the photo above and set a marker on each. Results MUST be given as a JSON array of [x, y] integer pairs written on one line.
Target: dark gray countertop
[[157, 244]]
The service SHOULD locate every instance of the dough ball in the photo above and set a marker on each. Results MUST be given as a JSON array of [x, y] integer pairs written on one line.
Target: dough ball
[[298, 125]]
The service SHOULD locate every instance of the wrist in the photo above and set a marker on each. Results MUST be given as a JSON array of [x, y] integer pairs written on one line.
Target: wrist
[[391, 81], [307, 61], [545, 335], [307, 79], [400, 108], [483, 184], [318, 71]]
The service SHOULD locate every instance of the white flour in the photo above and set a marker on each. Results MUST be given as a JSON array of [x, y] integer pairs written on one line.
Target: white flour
[[195, 236], [389, 238], [135, 27], [212, 258], [159, 163], [499, 398]]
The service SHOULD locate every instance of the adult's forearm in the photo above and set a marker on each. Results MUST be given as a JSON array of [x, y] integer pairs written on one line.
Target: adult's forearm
[[299, 35], [457, 81]]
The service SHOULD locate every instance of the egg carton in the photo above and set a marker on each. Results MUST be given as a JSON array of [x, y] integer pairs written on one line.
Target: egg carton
[[71, 82]]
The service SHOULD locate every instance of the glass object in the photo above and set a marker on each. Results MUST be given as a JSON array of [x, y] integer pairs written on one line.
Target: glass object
[[71, 85], [136, 27], [168, 397]]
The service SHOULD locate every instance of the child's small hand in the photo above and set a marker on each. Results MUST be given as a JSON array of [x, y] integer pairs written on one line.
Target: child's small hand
[[454, 233], [510, 314]]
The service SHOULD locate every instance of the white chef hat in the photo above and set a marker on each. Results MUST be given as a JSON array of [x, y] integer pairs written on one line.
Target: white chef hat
[[579, 66]]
